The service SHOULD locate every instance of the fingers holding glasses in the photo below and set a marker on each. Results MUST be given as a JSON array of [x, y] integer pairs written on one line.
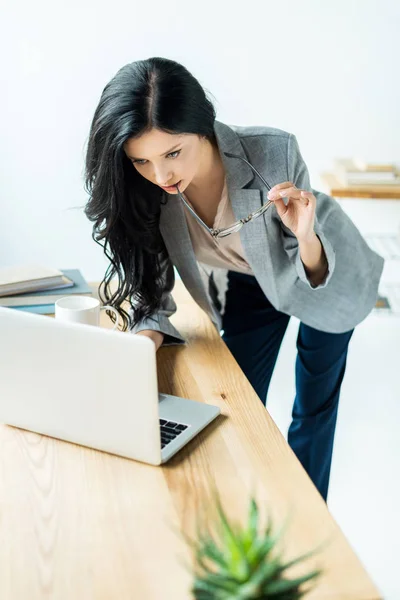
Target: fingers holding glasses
[[299, 212], [289, 190]]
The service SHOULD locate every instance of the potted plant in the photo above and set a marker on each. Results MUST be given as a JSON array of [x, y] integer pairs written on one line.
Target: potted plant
[[243, 563]]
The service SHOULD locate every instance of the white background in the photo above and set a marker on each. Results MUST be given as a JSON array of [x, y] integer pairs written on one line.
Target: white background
[[325, 71]]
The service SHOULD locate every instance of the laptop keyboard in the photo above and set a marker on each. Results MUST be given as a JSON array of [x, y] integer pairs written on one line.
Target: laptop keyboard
[[169, 431]]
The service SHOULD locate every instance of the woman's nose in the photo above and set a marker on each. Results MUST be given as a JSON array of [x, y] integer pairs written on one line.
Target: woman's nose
[[162, 178]]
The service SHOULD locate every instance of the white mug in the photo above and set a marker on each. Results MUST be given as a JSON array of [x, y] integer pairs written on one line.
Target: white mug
[[82, 309]]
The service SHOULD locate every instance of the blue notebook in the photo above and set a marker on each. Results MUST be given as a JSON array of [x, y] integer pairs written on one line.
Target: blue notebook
[[39, 309], [45, 307]]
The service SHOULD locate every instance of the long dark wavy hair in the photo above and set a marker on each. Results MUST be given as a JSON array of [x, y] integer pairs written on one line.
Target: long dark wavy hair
[[124, 206]]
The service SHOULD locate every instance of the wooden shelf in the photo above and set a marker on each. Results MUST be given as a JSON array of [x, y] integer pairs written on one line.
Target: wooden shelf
[[390, 192]]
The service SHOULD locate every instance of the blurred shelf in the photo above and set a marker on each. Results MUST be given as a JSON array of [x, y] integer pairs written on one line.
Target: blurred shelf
[[336, 189]]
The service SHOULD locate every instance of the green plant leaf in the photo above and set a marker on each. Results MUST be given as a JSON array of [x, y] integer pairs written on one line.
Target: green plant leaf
[[232, 542], [213, 588], [266, 571], [260, 551], [288, 585], [250, 534], [253, 587], [210, 551], [221, 582], [253, 518], [299, 559]]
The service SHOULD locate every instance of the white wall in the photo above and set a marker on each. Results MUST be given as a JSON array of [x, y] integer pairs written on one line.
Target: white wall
[[326, 71]]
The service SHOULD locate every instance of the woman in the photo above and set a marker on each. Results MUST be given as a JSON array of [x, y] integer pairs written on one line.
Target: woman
[[171, 186]]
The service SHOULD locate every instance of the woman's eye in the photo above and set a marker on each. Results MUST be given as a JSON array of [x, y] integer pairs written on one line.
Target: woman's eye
[[142, 161], [176, 153]]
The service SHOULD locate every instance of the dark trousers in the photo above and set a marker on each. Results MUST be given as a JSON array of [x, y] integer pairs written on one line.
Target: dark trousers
[[253, 332]]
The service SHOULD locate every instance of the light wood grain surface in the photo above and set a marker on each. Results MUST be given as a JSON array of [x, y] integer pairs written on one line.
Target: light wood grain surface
[[336, 189], [80, 524]]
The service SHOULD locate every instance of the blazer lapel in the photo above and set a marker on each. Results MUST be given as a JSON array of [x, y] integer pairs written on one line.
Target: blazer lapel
[[175, 233], [244, 201]]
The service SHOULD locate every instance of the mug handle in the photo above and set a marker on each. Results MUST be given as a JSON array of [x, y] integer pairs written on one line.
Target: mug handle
[[107, 307]]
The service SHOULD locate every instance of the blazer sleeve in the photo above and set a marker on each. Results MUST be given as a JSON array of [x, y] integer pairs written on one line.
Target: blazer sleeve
[[159, 321], [298, 174]]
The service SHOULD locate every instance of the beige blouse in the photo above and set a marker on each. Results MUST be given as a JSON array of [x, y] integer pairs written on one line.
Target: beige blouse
[[226, 252]]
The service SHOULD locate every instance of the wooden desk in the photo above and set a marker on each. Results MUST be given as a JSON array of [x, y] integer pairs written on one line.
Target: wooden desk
[[336, 189], [80, 524]]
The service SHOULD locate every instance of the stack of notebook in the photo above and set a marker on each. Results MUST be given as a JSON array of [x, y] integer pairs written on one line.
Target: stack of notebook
[[35, 288], [355, 172]]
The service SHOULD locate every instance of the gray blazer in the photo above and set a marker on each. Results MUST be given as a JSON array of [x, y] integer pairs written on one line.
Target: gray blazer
[[345, 297]]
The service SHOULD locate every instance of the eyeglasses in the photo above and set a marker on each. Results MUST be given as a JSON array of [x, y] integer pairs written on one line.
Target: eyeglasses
[[237, 226]]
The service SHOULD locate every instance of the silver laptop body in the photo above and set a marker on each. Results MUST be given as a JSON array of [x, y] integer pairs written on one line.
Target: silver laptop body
[[91, 386]]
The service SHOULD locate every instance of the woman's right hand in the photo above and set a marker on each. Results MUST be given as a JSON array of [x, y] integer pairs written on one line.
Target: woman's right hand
[[156, 336]]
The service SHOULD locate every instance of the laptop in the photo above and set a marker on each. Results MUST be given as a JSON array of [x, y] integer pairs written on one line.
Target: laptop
[[91, 386]]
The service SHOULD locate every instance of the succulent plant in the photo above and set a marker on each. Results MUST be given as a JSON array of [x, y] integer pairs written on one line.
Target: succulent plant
[[243, 563]]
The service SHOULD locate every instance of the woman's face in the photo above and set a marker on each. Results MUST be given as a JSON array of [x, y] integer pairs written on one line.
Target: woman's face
[[166, 159]]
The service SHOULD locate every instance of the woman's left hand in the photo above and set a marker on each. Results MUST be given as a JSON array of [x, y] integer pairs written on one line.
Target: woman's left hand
[[299, 213]]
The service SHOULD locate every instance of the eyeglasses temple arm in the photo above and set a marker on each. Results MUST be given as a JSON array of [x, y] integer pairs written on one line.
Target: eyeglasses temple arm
[[193, 212], [251, 167]]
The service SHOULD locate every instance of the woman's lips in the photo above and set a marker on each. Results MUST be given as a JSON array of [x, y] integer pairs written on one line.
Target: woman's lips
[[171, 187]]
